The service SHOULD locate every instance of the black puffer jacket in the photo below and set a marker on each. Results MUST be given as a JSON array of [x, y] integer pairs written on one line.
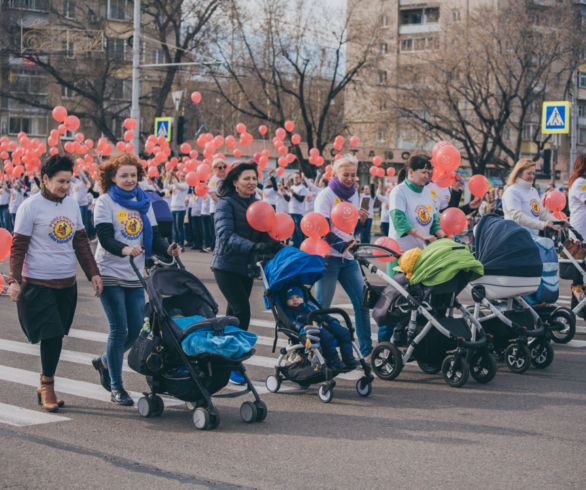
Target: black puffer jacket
[[235, 238]]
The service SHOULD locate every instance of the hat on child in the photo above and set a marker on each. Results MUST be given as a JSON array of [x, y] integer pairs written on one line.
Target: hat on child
[[293, 291]]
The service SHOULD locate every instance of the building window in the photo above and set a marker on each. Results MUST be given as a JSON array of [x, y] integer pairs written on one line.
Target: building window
[[117, 9], [419, 16], [121, 89], [529, 132], [381, 135], [69, 49], [582, 109], [456, 15], [382, 77], [27, 81], [419, 44], [582, 79], [32, 125], [69, 9], [67, 92], [116, 48], [40, 5], [384, 20], [384, 48], [158, 56], [582, 136]]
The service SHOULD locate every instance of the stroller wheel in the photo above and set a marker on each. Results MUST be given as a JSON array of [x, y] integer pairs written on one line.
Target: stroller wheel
[[363, 386], [386, 361], [541, 353], [428, 368], [248, 412], [273, 383], [562, 324], [455, 371], [145, 407], [325, 393], [261, 410], [482, 366], [157, 406], [517, 357], [201, 418]]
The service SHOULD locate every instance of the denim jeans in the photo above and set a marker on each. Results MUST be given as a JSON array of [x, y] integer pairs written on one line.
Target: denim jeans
[[196, 231], [178, 235], [365, 231], [297, 233], [5, 219], [124, 308], [348, 273], [206, 226], [334, 334]]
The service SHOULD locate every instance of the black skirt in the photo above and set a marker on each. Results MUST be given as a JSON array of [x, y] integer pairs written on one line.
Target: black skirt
[[44, 312]]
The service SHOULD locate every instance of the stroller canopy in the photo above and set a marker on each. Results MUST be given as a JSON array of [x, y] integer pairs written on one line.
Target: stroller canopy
[[442, 260], [506, 248], [292, 265]]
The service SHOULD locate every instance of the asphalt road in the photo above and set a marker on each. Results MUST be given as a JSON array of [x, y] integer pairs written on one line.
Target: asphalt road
[[519, 431]]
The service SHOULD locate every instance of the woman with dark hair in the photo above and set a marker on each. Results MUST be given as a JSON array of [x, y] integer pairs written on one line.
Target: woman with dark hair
[[237, 244], [413, 221], [48, 237], [126, 227], [577, 204]]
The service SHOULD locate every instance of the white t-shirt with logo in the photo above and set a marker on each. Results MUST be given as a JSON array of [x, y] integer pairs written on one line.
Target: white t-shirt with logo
[[16, 199], [324, 204], [419, 210], [128, 229], [179, 191], [525, 199], [79, 191], [440, 195], [213, 186], [205, 205], [51, 226], [269, 195], [195, 203], [296, 207], [577, 198], [4, 196]]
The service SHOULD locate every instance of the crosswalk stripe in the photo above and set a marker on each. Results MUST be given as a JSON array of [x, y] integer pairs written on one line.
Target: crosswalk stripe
[[21, 417], [577, 343]]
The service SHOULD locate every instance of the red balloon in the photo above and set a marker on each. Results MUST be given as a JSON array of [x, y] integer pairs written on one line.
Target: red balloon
[[354, 141], [436, 147], [261, 216], [280, 133], [201, 189], [560, 215], [345, 217], [296, 139], [376, 161], [314, 225], [59, 113], [478, 185], [556, 201], [372, 171], [128, 135], [153, 172], [379, 172], [445, 180], [391, 171], [185, 148], [5, 243], [448, 158], [315, 246], [129, 123], [283, 227], [72, 123], [453, 221], [195, 97], [289, 126], [262, 129], [241, 128], [387, 242], [191, 179]]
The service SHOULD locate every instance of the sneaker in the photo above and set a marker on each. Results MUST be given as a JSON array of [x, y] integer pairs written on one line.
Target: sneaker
[[237, 378], [104, 374], [578, 292], [208, 249], [121, 397], [335, 364]]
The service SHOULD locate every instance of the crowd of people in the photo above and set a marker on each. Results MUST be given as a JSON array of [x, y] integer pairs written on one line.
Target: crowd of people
[[56, 215]]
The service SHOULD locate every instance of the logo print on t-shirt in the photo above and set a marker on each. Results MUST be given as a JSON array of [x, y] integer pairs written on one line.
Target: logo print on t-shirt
[[535, 208], [132, 227], [422, 215], [61, 229], [433, 194]]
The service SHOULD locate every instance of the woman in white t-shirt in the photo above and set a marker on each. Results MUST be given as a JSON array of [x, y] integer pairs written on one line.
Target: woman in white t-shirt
[[340, 265], [126, 227], [179, 199], [577, 204], [49, 239], [298, 193], [521, 201]]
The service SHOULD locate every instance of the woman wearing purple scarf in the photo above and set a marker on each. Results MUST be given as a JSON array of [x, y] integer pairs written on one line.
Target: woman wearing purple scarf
[[340, 264]]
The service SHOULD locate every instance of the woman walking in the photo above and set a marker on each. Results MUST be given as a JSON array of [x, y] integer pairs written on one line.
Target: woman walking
[[48, 236], [126, 227]]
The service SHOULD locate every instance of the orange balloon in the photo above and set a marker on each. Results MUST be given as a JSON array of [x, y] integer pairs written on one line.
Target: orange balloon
[[296, 139], [387, 242], [262, 129], [344, 217], [453, 221], [289, 126], [448, 158], [478, 185], [59, 113], [376, 161], [556, 201], [314, 225], [391, 171], [315, 246], [201, 189], [191, 179], [261, 216], [354, 141], [5, 243], [195, 97], [560, 215], [283, 227]]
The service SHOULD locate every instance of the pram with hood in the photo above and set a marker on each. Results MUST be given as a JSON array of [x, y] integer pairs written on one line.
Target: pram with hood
[[300, 362], [160, 352], [513, 268], [426, 303]]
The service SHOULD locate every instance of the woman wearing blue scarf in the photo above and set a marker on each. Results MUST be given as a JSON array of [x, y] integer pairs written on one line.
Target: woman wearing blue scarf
[[340, 265], [126, 226]]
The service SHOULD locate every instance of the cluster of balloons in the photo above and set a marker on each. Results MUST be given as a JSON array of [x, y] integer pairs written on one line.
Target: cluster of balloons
[[315, 226], [261, 216], [445, 159], [377, 171]]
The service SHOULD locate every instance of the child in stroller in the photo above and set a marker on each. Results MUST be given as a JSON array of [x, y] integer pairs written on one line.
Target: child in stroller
[[331, 331]]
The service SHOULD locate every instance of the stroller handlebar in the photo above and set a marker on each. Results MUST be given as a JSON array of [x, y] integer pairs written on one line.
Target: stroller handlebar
[[388, 251]]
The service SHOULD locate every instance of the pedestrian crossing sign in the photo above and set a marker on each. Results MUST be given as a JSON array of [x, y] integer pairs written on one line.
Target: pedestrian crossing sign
[[163, 127], [555, 118]]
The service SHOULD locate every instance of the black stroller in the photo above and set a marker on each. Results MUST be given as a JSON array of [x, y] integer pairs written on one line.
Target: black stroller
[[158, 352], [298, 361]]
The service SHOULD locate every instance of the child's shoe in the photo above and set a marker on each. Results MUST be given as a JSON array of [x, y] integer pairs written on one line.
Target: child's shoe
[[578, 292], [336, 364], [350, 364]]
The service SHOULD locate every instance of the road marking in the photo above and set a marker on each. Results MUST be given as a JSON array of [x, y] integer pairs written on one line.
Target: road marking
[[577, 343], [21, 417]]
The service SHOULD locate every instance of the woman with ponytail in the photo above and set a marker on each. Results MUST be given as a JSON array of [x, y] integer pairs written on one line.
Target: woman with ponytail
[[126, 227]]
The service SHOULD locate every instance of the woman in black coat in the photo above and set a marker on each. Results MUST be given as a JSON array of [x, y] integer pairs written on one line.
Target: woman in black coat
[[238, 244]]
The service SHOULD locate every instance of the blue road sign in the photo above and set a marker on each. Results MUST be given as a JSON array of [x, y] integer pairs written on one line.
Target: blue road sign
[[555, 118]]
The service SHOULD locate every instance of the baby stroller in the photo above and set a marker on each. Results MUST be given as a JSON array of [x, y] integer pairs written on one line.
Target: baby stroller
[[160, 353], [299, 361], [436, 339], [514, 268]]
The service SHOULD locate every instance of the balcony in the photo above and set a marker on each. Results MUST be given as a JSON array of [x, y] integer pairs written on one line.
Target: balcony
[[419, 28]]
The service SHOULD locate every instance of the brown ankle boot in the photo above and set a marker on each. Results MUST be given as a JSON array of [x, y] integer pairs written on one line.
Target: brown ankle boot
[[60, 403], [46, 394]]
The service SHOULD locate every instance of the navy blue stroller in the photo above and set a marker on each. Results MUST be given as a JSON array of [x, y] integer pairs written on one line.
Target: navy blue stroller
[[299, 361]]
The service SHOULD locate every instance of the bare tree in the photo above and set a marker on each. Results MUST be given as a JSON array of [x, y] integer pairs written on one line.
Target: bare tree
[[282, 62], [489, 79]]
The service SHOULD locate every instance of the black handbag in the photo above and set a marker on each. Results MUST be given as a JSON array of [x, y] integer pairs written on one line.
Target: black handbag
[[145, 356], [370, 294]]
